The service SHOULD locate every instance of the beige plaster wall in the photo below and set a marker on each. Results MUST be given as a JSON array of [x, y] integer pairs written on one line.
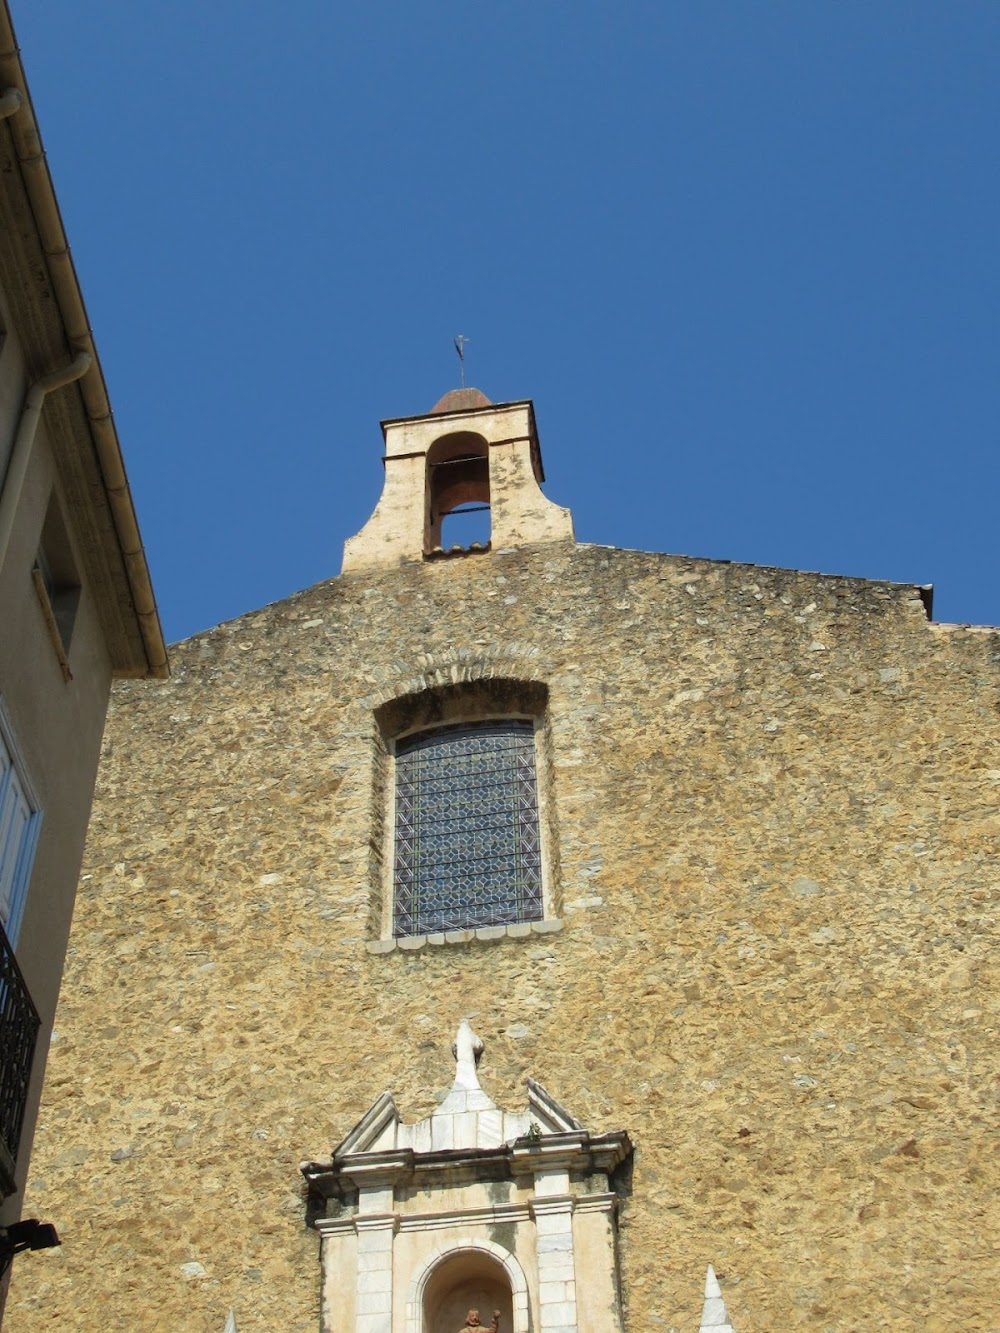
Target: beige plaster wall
[[58, 726], [775, 796]]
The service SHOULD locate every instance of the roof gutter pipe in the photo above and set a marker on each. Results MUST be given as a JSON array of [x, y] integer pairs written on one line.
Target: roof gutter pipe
[[24, 439]]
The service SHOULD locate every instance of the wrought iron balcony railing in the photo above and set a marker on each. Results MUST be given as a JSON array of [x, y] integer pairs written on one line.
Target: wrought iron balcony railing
[[19, 1024]]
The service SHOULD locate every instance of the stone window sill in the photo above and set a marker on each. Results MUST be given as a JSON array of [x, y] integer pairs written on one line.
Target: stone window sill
[[519, 930]]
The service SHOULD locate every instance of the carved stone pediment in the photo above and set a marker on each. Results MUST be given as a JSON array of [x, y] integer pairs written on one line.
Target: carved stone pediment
[[474, 1204], [381, 1129]]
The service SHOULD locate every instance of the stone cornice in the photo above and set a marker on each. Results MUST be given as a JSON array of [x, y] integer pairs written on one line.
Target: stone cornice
[[550, 1205], [577, 1152], [376, 1222]]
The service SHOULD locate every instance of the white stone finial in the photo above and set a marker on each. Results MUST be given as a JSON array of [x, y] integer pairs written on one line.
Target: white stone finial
[[231, 1324], [715, 1316], [466, 1048]]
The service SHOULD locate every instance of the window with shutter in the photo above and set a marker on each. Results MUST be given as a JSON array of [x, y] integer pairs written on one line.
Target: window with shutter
[[19, 821]]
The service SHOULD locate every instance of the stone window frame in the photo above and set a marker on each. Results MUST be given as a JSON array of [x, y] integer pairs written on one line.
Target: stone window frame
[[447, 876], [483, 700]]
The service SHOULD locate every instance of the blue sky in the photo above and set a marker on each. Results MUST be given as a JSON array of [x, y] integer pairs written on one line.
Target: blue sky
[[743, 256]]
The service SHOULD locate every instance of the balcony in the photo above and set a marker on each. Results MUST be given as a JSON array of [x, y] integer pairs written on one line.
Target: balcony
[[19, 1024]]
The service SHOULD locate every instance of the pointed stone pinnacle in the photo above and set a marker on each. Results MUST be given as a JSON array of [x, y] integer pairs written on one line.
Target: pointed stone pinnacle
[[714, 1317]]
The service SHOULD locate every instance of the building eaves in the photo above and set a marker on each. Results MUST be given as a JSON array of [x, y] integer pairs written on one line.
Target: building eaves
[[65, 288]]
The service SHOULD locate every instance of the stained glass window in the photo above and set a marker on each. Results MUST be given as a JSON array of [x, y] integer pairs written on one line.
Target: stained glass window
[[467, 850]]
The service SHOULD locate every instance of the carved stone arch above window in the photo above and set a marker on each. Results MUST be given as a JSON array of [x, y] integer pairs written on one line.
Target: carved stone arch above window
[[467, 831], [459, 664], [462, 701], [468, 1273]]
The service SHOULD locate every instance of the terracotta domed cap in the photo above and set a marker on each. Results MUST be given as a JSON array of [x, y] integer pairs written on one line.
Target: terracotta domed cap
[[461, 400]]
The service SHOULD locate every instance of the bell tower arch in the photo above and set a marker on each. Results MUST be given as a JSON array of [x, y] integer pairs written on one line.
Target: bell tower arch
[[466, 452], [457, 480]]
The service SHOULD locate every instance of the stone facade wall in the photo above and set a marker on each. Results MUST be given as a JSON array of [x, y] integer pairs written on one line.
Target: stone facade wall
[[775, 798]]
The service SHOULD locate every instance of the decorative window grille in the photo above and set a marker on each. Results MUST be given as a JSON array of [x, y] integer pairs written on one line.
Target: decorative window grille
[[467, 849]]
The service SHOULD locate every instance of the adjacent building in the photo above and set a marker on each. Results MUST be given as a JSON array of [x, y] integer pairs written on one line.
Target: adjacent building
[[76, 605], [696, 864]]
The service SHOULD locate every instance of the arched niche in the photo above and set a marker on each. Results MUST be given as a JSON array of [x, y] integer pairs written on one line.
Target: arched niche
[[458, 474], [475, 1275]]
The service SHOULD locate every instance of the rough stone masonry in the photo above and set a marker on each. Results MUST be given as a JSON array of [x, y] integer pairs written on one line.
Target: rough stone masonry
[[773, 845]]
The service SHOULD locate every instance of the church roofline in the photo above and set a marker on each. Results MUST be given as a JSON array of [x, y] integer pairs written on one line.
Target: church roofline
[[923, 591]]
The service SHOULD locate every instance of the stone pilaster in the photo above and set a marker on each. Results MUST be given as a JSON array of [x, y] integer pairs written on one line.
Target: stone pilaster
[[374, 1297], [556, 1268]]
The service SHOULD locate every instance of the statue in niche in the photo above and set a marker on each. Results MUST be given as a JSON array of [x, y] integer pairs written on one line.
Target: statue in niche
[[473, 1325]]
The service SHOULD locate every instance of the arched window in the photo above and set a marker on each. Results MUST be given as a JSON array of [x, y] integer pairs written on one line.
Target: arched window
[[463, 783], [458, 486], [467, 850]]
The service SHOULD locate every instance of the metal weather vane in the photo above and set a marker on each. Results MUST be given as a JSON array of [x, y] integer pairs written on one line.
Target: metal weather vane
[[460, 344]]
